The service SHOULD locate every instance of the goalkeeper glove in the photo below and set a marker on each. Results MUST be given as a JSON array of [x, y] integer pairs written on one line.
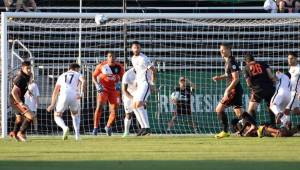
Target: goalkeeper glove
[[99, 88], [118, 86]]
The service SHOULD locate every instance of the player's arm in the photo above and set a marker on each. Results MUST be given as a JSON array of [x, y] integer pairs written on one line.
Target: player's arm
[[37, 95], [82, 86], [14, 92], [54, 98], [95, 74], [271, 76], [153, 72], [220, 77], [234, 82], [125, 91]]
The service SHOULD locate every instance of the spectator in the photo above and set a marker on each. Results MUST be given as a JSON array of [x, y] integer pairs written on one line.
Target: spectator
[[288, 6], [26, 4], [8, 4], [270, 6]]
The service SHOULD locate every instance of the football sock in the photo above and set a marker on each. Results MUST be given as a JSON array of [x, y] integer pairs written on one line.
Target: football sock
[[127, 123], [111, 119], [144, 116], [25, 124], [76, 125], [224, 121], [60, 122], [138, 117], [97, 117]]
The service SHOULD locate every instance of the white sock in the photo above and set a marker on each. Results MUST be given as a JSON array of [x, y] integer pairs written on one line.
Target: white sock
[[76, 125], [275, 109], [144, 116], [60, 122], [138, 117], [127, 123]]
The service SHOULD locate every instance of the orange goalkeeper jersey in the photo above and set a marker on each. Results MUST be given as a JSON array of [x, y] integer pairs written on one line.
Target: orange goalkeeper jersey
[[107, 75]]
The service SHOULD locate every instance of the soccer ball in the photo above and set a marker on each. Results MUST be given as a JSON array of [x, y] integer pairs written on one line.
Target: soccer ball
[[175, 95], [100, 19]]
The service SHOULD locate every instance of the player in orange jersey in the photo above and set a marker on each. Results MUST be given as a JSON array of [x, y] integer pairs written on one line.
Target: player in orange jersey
[[107, 77]]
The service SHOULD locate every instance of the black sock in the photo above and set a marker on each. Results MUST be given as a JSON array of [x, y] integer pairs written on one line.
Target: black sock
[[272, 118], [17, 126], [25, 124], [248, 118], [224, 121]]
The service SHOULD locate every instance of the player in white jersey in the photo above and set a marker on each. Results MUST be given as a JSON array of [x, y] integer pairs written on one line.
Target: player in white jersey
[[128, 88], [142, 66], [281, 98], [32, 101], [294, 70], [66, 95]]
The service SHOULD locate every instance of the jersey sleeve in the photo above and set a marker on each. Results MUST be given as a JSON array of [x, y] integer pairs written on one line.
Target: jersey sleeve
[[147, 62], [125, 79], [234, 67], [18, 82], [60, 81], [36, 90]]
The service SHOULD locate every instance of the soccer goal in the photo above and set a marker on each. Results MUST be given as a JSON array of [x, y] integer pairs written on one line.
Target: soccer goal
[[178, 44]]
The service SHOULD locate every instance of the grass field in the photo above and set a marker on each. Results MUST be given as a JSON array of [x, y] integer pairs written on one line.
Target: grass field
[[153, 152]]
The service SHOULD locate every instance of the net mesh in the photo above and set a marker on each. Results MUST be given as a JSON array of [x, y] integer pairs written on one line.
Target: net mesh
[[178, 47]]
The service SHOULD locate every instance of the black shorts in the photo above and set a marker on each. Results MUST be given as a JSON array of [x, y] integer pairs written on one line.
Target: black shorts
[[235, 99], [266, 95]]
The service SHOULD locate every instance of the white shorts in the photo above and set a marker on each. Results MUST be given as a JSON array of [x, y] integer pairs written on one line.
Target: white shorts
[[67, 102], [294, 102], [281, 99], [142, 92], [127, 104]]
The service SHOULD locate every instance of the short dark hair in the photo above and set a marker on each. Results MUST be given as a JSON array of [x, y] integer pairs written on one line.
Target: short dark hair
[[109, 52], [135, 43], [248, 58], [74, 66], [293, 54], [227, 45], [26, 63]]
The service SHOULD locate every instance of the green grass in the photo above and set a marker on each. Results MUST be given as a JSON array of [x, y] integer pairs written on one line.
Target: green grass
[[154, 152]]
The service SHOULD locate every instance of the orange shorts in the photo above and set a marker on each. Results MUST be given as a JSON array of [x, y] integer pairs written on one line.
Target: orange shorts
[[20, 109], [113, 97]]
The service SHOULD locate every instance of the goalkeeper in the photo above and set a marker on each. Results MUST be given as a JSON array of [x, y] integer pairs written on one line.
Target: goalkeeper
[[106, 78], [181, 97]]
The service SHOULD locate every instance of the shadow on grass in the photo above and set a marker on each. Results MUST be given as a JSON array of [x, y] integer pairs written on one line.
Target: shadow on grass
[[149, 165]]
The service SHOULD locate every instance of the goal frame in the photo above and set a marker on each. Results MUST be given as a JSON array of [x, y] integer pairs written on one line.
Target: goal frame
[[5, 49]]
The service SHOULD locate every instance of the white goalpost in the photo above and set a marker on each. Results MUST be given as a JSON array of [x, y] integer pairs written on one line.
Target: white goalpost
[[178, 44]]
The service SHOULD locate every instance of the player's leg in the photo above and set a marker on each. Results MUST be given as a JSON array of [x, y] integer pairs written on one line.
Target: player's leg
[[101, 100], [172, 122], [61, 106], [253, 104], [114, 102], [127, 103], [34, 122], [224, 120], [127, 123], [17, 125], [140, 99], [74, 106]]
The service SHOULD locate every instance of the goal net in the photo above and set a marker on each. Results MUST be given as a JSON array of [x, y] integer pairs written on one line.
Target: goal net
[[178, 44]]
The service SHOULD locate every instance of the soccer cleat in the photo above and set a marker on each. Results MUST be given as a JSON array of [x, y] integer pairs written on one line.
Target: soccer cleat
[[95, 131], [12, 134], [260, 131], [222, 134], [140, 132], [66, 134], [125, 135], [108, 131], [21, 137], [146, 132]]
